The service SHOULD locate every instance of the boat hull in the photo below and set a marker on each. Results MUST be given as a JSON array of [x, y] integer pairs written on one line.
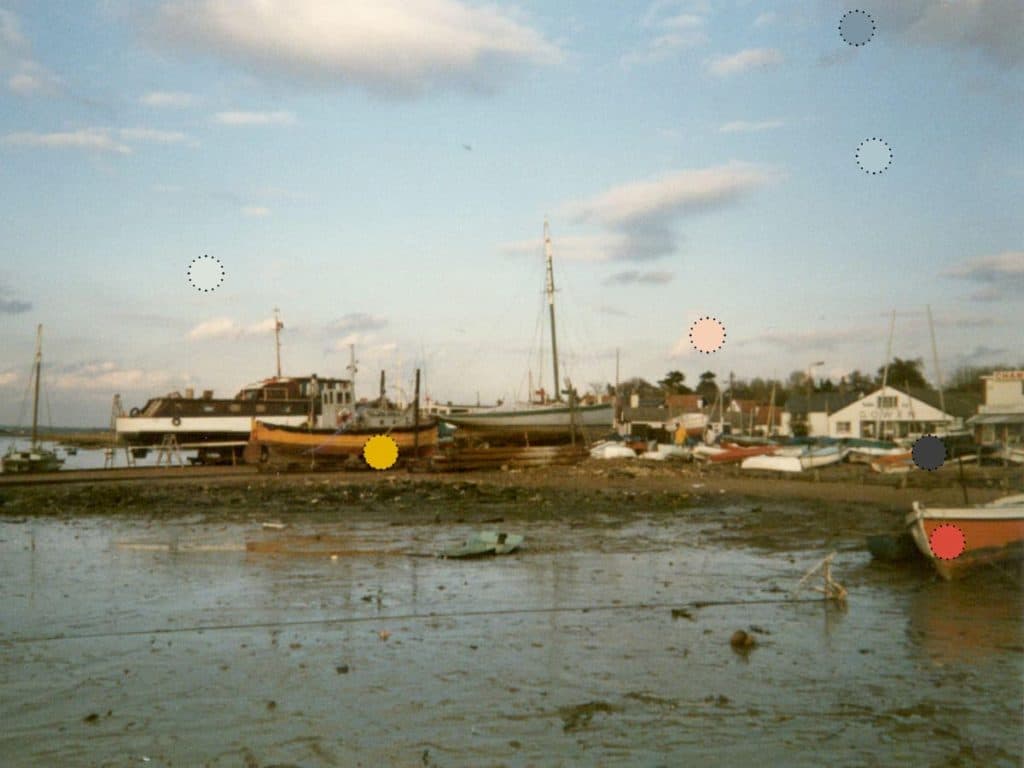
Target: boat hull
[[992, 533], [270, 441], [536, 424], [30, 461], [737, 453], [150, 431]]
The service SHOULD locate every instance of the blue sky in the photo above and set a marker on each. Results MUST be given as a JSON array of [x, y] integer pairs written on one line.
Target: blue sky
[[381, 172]]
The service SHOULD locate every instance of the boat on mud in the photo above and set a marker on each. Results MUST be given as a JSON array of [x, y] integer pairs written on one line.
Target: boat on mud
[[36, 458], [958, 539], [794, 459]]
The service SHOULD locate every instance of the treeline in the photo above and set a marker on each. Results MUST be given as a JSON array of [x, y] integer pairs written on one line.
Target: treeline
[[901, 373]]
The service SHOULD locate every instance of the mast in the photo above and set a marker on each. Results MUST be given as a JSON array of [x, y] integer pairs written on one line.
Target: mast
[[352, 368], [35, 401], [885, 373], [551, 307], [278, 325], [935, 357]]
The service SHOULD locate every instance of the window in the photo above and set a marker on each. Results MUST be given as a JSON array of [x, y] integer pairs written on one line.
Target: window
[[235, 408], [843, 427], [887, 402]]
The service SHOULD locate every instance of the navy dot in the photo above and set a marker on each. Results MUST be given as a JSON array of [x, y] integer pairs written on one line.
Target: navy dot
[[929, 452]]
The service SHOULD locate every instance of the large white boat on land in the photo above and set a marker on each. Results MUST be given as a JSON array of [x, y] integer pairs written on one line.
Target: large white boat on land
[[550, 420]]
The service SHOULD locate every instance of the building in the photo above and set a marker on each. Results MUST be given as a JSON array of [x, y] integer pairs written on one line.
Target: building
[[1000, 416], [893, 413], [813, 413]]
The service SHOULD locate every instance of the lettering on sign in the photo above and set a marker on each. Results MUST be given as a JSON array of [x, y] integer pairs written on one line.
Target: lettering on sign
[[1008, 375]]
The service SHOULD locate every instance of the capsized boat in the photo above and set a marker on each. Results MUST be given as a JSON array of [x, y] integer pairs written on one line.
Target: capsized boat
[[893, 463], [794, 459], [485, 543], [985, 533], [733, 453], [36, 458]]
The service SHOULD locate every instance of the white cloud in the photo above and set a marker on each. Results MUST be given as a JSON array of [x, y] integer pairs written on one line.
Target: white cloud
[[33, 78], [13, 44], [152, 135], [751, 58], [593, 248], [226, 328], [106, 376], [999, 275], [167, 99], [255, 211], [677, 26], [28, 76], [766, 18], [744, 126], [87, 138], [632, 277], [8, 378], [390, 47], [357, 321], [640, 214], [254, 118]]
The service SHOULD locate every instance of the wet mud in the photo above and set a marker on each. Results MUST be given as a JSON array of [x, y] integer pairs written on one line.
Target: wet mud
[[144, 625]]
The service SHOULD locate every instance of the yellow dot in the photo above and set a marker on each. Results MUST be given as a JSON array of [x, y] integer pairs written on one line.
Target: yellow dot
[[380, 452]]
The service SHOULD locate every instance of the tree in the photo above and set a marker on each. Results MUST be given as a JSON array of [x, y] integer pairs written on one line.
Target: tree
[[673, 383], [707, 389], [859, 382], [904, 373], [797, 381]]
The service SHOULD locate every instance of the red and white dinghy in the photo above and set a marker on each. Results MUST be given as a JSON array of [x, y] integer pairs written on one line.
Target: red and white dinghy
[[961, 538], [732, 453]]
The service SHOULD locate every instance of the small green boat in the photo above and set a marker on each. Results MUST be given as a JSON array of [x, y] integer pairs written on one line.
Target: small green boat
[[485, 543]]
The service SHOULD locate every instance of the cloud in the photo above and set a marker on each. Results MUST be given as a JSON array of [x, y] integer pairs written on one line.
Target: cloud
[[255, 211], [765, 19], [106, 376], [999, 275], [400, 48], [357, 321], [799, 340], [153, 136], [751, 58], [29, 76], [226, 328], [633, 276], [641, 213], [676, 27], [32, 78], [10, 305], [993, 28], [7, 378], [982, 354], [588, 248], [95, 139], [744, 126], [167, 99], [254, 118], [607, 309]]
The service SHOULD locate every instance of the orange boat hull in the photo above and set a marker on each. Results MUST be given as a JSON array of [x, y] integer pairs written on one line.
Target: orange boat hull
[[325, 445], [991, 534]]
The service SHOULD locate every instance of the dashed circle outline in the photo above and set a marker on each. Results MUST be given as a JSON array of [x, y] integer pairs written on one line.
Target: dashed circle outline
[[188, 273], [874, 27], [888, 147], [914, 459], [694, 325], [366, 445], [939, 528]]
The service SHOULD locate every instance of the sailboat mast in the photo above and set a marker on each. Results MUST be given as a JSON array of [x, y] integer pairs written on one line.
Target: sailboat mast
[[935, 357], [35, 401], [278, 325], [551, 307]]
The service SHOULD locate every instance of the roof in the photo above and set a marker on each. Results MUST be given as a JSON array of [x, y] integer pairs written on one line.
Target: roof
[[996, 418], [821, 402], [646, 413], [684, 403], [957, 403]]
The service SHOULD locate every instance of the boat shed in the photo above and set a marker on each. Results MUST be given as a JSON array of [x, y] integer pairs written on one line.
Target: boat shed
[[895, 413]]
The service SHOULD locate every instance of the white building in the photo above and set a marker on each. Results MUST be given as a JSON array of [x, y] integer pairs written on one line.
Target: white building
[[1000, 417], [892, 413]]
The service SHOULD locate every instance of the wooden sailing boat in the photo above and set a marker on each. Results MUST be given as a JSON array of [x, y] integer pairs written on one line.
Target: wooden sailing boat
[[554, 420], [37, 458]]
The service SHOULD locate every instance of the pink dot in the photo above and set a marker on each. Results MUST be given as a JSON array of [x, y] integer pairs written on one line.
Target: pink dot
[[707, 335], [947, 542]]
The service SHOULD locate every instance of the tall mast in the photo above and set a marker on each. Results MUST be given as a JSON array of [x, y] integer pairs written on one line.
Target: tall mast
[[935, 357], [278, 325], [551, 307], [352, 368], [885, 372], [35, 402]]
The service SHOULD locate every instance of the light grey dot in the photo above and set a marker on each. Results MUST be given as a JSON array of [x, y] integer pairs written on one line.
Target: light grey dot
[[874, 155], [857, 27]]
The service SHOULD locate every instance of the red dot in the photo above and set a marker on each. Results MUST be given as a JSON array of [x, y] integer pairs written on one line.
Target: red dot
[[947, 542]]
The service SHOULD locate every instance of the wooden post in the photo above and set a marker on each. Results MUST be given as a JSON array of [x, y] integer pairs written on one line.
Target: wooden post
[[416, 418]]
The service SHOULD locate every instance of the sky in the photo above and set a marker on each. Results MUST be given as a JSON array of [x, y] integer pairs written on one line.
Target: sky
[[381, 171]]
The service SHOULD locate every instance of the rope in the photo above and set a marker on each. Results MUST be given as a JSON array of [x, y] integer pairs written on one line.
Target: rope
[[697, 604]]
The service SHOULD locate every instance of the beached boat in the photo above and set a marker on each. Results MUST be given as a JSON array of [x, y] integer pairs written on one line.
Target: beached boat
[[893, 463], [732, 453], [485, 543], [269, 443], [548, 421], [987, 533], [794, 459], [36, 458], [1011, 453], [612, 450], [863, 451]]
